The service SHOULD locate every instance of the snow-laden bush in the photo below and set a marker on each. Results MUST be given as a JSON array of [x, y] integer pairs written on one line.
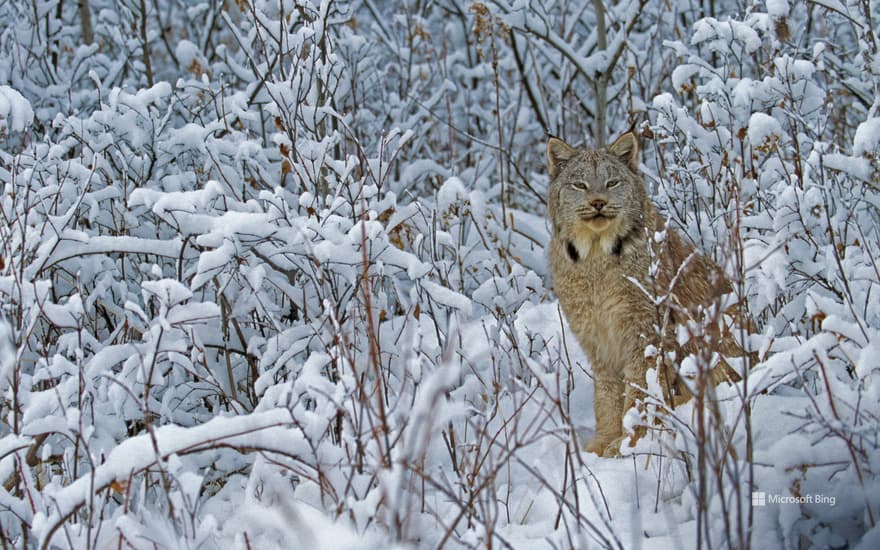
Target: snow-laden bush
[[215, 331], [764, 161]]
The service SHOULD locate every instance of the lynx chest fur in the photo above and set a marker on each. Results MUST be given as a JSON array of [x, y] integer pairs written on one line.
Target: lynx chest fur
[[598, 292]]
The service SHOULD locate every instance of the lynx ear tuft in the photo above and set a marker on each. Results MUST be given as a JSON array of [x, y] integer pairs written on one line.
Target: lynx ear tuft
[[557, 153], [626, 147]]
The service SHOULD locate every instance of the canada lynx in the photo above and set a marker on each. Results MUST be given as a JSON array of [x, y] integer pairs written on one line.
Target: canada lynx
[[600, 258]]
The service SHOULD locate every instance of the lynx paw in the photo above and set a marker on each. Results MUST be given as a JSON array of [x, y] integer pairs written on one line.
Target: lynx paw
[[611, 449], [604, 448], [594, 446]]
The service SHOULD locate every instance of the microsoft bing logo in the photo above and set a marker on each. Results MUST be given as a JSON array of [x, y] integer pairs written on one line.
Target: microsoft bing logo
[[759, 498]]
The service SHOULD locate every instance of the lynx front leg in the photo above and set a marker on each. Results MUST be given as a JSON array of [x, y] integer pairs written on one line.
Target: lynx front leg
[[608, 405]]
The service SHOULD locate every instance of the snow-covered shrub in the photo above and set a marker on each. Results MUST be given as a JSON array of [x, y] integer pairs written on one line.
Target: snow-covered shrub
[[226, 301], [765, 162]]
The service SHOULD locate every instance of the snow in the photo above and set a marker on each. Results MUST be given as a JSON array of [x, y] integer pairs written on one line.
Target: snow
[[59, 250], [7, 355], [721, 35], [795, 69], [261, 429], [447, 297], [68, 315], [15, 110], [859, 168], [682, 74], [424, 167], [451, 192], [186, 52], [777, 8], [867, 138], [763, 129], [14, 443], [211, 262]]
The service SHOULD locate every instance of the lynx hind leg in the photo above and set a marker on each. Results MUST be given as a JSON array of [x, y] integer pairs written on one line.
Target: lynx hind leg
[[608, 406], [676, 389]]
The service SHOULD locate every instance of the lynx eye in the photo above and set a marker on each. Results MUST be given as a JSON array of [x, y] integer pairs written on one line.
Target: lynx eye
[[611, 184], [581, 186]]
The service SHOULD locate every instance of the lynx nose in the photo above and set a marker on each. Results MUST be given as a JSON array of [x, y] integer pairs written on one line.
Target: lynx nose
[[598, 204]]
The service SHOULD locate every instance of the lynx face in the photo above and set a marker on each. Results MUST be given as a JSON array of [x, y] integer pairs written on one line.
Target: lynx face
[[596, 196]]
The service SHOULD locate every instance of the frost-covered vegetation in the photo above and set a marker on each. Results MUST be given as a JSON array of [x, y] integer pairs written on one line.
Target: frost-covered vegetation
[[272, 272]]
